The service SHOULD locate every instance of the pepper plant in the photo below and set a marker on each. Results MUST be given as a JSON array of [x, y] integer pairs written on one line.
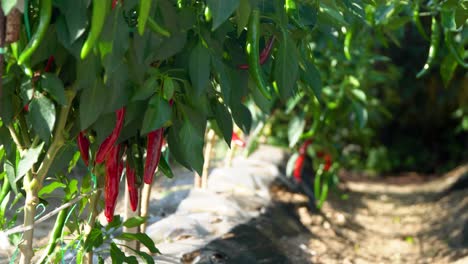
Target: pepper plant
[[114, 81]]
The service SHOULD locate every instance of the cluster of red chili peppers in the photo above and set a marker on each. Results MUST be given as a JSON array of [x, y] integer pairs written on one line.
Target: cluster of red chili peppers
[[299, 164], [112, 154]]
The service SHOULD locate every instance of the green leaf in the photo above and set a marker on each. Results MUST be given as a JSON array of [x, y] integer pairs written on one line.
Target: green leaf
[[361, 113], [448, 20], [242, 15], [54, 86], [134, 221], [286, 67], [28, 160], [92, 102], [142, 238], [168, 88], [42, 116], [75, 14], [295, 129], [447, 68], [186, 143], [383, 13], [116, 222], [157, 114], [7, 5], [224, 121], [199, 68], [118, 89], [146, 90], [93, 240], [359, 95], [311, 76], [242, 117], [165, 168], [87, 72], [50, 188], [9, 168], [223, 77], [291, 163], [333, 13], [118, 257], [221, 10]]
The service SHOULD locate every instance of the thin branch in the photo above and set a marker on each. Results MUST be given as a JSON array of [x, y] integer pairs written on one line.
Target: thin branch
[[21, 228]]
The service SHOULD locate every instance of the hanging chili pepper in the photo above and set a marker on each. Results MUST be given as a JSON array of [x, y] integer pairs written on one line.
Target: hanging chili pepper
[[253, 37], [320, 154], [83, 146], [453, 50], [417, 21], [433, 50], [44, 21], [132, 187], [112, 138], [48, 66], [114, 3], [143, 14], [158, 29], [264, 55], [111, 190], [303, 148], [298, 165], [153, 154], [328, 162], [237, 140], [121, 161], [97, 23]]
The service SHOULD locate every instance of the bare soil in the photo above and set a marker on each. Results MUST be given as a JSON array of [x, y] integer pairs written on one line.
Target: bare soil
[[387, 221]]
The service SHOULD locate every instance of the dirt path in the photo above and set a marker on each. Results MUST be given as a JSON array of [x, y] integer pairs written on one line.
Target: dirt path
[[383, 223]]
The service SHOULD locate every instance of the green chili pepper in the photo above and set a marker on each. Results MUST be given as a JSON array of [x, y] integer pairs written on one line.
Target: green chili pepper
[[56, 233], [158, 29], [145, 8], [347, 44], [98, 18], [44, 20], [433, 50], [453, 50], [417, 21], [253, 40]]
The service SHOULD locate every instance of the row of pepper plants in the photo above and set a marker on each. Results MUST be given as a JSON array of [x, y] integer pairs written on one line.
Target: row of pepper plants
[[106, 84]]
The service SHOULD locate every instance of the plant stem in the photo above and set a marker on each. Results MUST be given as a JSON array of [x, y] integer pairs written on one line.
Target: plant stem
[[129, 214], [33, 183], [16, 138], [88, 257], [24, 131], [144, 205], [2, 44]]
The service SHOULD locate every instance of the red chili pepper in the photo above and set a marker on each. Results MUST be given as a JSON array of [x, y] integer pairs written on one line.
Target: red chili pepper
[[328, 162], [320, 154], [26, 107], [83, 146], [303, 148], [153, 154], [48, 66], [264, 55], [112, 138], [237, 140], [111, 190], [298, 165], [132, 187]]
